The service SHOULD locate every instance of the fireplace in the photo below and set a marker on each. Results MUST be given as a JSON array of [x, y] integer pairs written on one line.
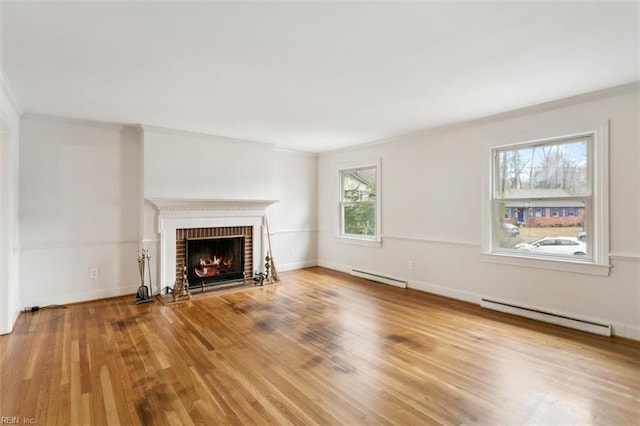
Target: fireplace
[[211, 260], [179, 220], [214, 255]]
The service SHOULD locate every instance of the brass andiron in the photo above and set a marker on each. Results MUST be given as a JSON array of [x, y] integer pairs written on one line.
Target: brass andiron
[[267, 268], [266, 277], [143, 295], [181, 289]]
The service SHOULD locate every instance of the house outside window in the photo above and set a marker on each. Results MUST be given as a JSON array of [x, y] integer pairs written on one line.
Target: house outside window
[[558, 186], [360, 202]]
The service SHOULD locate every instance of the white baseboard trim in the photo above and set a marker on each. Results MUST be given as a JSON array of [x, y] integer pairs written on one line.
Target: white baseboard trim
[[14, 318], [335, 266], [83, 296], [445, 291], [625, 330], [296, 265]]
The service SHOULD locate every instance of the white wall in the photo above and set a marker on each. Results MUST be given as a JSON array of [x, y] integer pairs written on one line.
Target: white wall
[[9, 229], [79, 210], [431, 214], [186, 165], [293, 220], [190, 165]]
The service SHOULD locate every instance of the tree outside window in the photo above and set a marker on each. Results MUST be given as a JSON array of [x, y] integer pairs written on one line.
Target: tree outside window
[[543, 179], [359, 202], [558, 188]]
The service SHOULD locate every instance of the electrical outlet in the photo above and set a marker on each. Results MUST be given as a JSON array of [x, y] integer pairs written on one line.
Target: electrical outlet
[[410, 264], [93, 273]]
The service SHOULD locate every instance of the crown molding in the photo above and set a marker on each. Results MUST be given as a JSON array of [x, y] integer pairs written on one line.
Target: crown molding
[[621, 90], [194, 134], [80, 121], [296, 152]]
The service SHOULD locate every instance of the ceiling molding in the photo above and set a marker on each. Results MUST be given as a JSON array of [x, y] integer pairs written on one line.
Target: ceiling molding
[[296, 152], [78, 121], [625, 89], [189, 133]]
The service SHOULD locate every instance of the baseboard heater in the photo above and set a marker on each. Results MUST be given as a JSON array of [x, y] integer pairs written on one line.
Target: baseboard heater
[[379, 278], [565, 321]]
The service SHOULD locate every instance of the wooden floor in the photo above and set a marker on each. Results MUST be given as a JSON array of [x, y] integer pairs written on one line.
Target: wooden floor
[[321, 347]]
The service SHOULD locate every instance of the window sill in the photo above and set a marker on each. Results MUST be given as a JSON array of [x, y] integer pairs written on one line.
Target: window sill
[[562, 265], [367, 242]]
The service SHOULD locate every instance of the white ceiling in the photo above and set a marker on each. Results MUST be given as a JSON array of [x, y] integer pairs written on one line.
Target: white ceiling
[[311, 76]]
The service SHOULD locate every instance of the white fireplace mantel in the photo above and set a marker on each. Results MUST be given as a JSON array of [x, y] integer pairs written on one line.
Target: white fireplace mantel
[[171, 206], [174, 213]]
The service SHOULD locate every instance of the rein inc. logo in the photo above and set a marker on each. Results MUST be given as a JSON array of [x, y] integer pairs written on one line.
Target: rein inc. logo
[[16, 420]]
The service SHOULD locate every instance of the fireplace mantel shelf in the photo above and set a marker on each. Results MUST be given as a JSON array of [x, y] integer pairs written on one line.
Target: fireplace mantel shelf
[[176, 205]]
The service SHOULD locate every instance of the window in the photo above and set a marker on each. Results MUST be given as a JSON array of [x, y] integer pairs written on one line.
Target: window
[[559, 187], [359, 202]]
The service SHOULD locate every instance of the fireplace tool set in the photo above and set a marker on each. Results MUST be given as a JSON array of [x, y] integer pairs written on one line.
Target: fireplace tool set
[[145, 293], [270, 262]]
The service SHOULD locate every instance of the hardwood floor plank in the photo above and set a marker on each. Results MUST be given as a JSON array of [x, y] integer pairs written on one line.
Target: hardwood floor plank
[[110, 406], [321, 347]]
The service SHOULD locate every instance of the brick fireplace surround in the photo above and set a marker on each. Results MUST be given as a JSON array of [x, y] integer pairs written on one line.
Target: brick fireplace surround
[[211, 217], [183, 234]]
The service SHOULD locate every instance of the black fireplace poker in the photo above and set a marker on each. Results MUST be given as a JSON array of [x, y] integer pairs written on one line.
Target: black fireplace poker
[[143, 295]]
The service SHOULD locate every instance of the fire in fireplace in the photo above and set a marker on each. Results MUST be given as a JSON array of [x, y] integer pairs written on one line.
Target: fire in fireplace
[[212, 260]]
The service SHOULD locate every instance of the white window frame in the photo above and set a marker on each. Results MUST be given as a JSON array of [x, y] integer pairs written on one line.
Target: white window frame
[[597, 226], [376, 239]]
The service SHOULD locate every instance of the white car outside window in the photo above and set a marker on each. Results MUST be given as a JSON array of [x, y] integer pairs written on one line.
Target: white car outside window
[[556, 245]]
